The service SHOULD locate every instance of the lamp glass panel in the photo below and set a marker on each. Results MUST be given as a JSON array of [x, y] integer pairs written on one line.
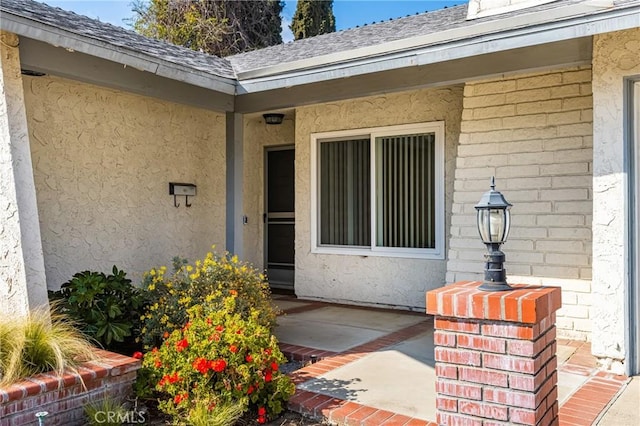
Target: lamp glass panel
[[491, 224]]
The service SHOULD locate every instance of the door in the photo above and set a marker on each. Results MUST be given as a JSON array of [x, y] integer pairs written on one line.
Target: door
[[279, 217]]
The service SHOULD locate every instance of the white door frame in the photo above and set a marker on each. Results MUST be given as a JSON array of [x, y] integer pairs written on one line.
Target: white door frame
[[632, 296]]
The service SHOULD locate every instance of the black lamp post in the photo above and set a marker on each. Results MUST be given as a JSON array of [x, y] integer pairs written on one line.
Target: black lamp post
[[494, 221]]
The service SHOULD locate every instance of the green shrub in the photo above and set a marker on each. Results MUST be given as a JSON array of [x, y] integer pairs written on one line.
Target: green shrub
[[220, 359], [39, 343], [206, 282], [105, 306]]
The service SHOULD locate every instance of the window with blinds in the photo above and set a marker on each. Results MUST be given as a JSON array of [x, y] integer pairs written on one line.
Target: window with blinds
[[381, 192], [405, 184], [345, 215]]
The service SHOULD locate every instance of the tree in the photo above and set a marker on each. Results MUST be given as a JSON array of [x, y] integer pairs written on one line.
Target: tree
[[312, 18], [217, 27]]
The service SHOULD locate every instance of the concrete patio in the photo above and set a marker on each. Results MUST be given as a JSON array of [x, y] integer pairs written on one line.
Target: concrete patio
[[369, 366]]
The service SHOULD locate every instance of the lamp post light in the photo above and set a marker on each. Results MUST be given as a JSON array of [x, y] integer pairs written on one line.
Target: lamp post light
[[494, 220]]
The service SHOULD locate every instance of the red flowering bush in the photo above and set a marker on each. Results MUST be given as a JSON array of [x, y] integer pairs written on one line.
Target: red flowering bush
[[220, 358]]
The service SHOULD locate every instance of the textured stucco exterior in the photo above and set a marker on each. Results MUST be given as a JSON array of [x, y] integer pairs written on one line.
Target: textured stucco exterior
[[533, 132], [22, 273], [615, 56], [370, 280], [103, 160], [257, 137]]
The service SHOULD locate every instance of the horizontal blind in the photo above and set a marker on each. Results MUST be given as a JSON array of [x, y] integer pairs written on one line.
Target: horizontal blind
[[345, 193], [405, 191]]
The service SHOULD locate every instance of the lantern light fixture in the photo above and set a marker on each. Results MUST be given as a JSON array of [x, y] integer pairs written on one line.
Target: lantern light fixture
[[273, 118], [494, 220]]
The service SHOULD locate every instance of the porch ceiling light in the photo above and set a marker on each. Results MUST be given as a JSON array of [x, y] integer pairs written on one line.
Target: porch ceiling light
[[494, 220], [273, 118]]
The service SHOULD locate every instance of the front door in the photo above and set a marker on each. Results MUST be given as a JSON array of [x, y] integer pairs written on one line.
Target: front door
[[279, 217]]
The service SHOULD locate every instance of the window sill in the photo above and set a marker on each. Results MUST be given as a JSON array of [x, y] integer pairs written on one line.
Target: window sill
[[408, 254]]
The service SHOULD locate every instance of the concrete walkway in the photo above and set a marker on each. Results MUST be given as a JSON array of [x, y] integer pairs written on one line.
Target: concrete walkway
[[376, 367]]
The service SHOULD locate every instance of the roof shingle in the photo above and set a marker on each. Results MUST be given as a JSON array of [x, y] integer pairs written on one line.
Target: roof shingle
[[117, 36]]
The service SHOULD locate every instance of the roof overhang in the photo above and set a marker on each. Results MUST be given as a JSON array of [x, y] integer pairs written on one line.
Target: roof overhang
[[43, 57], [479, 39], [121, 55], [446, 73]]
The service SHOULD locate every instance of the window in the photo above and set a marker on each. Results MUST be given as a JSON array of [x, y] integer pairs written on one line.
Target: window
[[379, 191]]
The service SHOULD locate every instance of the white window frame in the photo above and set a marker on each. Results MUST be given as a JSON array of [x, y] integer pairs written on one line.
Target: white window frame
[[436, 128]]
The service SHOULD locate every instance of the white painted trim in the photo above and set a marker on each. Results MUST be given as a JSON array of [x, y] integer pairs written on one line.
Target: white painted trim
[[372, 133], [475, 9], [554, 25]]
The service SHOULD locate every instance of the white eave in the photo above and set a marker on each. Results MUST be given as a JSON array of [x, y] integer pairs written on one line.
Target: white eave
[[128, 57], [527, 29]]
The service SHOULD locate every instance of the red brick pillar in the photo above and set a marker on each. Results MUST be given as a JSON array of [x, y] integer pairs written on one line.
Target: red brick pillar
[[495, 354]]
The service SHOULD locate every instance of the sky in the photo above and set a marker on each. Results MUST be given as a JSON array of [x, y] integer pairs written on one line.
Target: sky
[[348, 13]]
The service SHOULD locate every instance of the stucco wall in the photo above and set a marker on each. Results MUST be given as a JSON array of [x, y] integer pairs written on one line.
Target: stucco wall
[[22, 279], [103, 161], [371, 280], [615, 56], [534, 134], [257, 136]]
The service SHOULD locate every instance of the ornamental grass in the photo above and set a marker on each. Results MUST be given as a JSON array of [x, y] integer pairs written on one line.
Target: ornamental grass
[[40, 342]]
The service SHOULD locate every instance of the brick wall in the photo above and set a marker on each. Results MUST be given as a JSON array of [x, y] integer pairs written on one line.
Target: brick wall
[[495, 354], [64, 397], [534, 134]]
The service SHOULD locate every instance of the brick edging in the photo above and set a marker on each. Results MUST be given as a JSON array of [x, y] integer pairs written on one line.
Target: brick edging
[[339, 411], [587, 403], [64, 396]]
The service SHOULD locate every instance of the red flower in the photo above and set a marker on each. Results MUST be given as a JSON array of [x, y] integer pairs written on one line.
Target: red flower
[[239, 331], [209, 321], [274, 366], [262, 419], [262, 411], [186, 326], [248, 358], [180, 397], [233, 348], [250, 390], [173, 378], [267, 351], [137, 355], [202, 365], [219, 328], [218, 365], [182, 345], [268, 376], [154, 350], [157, 364], [234, 293], [166, 335], [163, 381]]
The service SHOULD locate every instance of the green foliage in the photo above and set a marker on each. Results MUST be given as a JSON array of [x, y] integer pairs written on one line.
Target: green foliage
[[312, 18], [207, 282], [220, 358], [39, 343], [106, 306], [217, 27], [108, 411], [220, 415]]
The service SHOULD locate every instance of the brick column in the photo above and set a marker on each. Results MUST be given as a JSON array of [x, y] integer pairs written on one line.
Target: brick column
[[495, 354]]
